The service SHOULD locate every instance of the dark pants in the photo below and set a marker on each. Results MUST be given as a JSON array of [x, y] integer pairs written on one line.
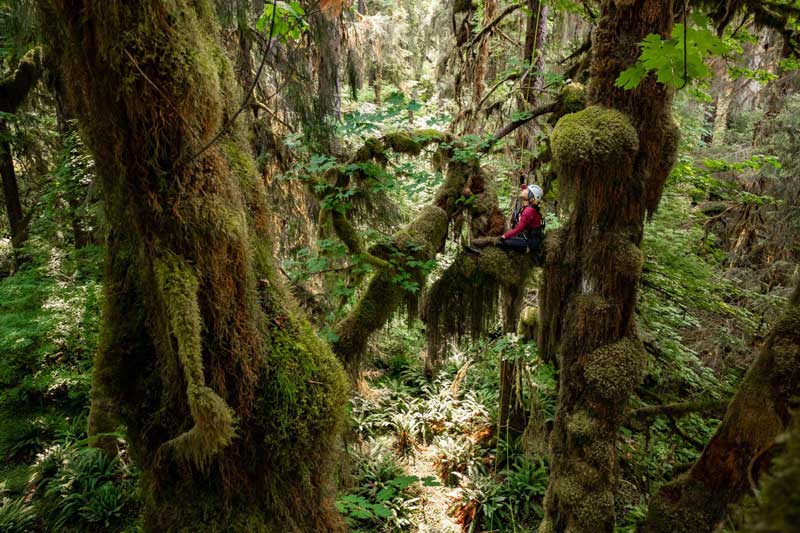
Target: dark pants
[[521, 244]]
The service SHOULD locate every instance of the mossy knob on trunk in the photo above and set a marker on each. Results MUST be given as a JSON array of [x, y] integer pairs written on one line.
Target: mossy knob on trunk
[[599, 137]]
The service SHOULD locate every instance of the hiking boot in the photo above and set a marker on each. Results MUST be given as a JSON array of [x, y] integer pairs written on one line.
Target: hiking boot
[[472, 250]]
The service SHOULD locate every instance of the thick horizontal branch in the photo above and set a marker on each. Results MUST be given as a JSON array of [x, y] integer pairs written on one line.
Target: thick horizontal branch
[[679, 409], [512, 126]]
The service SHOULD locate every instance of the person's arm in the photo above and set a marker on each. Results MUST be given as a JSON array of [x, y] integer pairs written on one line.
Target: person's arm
[[525, 219]]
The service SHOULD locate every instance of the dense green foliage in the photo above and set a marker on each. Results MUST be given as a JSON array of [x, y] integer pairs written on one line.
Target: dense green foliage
[[424, 449]]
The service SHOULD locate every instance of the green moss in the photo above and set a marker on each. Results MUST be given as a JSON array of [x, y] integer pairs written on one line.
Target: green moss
[[572, 98], [213, 419], [371, 150], [546, 525], [506, 267], [569, 490], [595, 508], [528, 324], [629, 259], [402, 142], [595, 137], [600, 453], [682, 506], [613, 371], [553, 246], [582, 426], [426, 232]]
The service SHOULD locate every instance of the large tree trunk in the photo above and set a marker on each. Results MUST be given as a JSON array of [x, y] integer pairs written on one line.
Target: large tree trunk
[[760, 411], [231, 403], [612, 160], [533, 52]]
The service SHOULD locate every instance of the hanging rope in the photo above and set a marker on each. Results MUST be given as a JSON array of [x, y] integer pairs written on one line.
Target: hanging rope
[[685, 54]]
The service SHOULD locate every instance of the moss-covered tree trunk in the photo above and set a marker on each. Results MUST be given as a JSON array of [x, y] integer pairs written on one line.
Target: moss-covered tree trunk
[[16, 218], [13, 91], [230, 403], [612, 160], [761, 410]]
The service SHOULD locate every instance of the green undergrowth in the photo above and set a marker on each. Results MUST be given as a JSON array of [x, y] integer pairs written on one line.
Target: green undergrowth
[[50, 479], [445, 418], [49, 313]]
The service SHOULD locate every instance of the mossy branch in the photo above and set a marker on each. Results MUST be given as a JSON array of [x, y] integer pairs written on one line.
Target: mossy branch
[[350, 238], [213, 419], [15, 88], [678, 409]]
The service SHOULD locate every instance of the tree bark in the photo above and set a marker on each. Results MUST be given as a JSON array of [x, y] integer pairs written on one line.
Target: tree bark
[[13, 91], [231, 404], [721, 112], [760, 411], [511, 419], [16, 218], [612, 160]]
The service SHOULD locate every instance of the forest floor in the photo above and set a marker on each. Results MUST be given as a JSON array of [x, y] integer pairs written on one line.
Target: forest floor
[[435, 501], [434, 438]]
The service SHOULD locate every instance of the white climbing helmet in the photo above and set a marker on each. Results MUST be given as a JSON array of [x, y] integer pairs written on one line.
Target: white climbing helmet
[[534, 191]]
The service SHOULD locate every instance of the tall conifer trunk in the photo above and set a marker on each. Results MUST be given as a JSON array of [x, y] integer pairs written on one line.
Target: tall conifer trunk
[[230, 403], [612, 160]]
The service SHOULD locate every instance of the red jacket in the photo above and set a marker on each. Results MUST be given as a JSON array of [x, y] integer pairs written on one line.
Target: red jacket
[[528, 220]]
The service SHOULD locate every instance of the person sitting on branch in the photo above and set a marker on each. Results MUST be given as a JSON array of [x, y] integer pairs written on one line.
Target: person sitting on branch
[[527, 224]]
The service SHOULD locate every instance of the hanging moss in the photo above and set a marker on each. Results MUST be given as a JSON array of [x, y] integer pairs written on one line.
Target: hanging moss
[[462, 301], [213, 427]]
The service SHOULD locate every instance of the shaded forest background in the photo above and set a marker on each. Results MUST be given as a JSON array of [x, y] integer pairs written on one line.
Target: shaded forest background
[[380, 137]]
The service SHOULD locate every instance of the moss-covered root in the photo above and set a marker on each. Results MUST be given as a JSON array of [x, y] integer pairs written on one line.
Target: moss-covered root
[[213, 419], [760, 411]]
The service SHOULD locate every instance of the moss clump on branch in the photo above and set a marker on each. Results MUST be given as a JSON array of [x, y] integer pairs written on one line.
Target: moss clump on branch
[[572, 98], [594, 509], [426, 234], [582, 426]]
